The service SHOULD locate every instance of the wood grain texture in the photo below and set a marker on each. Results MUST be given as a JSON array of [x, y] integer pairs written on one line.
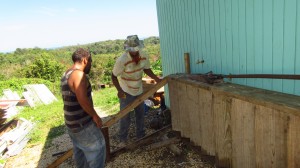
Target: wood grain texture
[[194, 116], [183, 108], [223, 131], [206, 121], [270, 137], [243, 147], [174, 105], [293, 142]]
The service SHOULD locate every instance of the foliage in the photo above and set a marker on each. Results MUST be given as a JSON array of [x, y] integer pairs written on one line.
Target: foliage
[[157, 68], [45, 68], [101, 69], [49, 64], [16, 84]]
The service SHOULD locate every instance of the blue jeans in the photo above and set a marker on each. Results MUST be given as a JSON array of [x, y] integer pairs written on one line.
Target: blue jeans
[[125, 121], [88, 146]]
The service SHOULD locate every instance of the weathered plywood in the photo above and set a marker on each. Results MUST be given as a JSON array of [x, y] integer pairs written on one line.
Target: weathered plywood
[[243, 147], [183, 107], [206, 121], [223, 132], [270, 137], [193, 110], [174, 105], [294, 142]]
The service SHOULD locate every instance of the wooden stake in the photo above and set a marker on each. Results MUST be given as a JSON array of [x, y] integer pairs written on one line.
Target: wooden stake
[[187, 63]]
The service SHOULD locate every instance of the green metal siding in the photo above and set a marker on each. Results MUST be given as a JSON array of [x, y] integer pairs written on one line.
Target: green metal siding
[[233, 37]]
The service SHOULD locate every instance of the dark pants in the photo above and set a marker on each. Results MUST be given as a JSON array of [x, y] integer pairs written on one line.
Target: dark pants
[[125, 121]]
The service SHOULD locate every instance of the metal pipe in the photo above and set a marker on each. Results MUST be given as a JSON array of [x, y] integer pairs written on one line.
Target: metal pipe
[[272, 76]]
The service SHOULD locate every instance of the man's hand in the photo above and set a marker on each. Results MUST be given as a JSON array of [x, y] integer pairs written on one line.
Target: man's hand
[[121, 94], [97, 120]]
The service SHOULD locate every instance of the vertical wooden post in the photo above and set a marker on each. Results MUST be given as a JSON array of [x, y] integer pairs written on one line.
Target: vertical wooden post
[[187, 63], [106, 137]]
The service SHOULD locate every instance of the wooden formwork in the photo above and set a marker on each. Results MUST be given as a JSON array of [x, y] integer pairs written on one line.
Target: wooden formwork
[[242, 126]]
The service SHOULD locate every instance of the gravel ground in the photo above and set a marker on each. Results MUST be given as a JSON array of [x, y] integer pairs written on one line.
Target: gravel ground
[[37, 156]]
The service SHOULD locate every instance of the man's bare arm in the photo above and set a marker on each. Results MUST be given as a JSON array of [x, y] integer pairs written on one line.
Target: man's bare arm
[[78, 83], [150, 73], [115, 81]]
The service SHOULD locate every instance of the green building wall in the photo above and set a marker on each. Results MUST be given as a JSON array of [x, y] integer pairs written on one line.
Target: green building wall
[[233, 37]]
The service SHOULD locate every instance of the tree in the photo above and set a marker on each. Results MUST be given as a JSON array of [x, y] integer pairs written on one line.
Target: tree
[[44, 67]]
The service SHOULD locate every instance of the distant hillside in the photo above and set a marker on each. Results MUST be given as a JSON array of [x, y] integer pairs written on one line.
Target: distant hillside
[[19, 63]]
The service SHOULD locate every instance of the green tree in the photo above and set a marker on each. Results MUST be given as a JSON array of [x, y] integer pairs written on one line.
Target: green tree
[[44, 67]]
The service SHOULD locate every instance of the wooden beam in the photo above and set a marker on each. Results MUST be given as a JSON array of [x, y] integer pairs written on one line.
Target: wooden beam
[[163, 143], [143, 141], [61, 159], [18, 100], [135, 103], [117, 117]]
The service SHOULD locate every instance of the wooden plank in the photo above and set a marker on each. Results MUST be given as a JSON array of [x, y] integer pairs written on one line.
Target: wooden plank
[[270, 137], [223, 131], [17, 100], [293, 142], [8, 126], [192, 108], [206, 121], [174, 104], [135, 103], [163, 143], [280, 101], [183, 107], [61, 159], [243, 153]]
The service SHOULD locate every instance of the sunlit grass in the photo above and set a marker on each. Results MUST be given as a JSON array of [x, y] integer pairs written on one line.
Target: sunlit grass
[[49, 119], [107, 100]]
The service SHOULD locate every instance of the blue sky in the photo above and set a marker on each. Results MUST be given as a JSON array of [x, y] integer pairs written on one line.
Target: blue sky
[[57, 23]]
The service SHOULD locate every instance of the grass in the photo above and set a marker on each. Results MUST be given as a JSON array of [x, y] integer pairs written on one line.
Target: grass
[[49, 119], [107, 100]]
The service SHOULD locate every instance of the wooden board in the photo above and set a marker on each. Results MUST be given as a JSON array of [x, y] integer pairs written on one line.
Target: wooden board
[[134, 104], [194, 114], [270, 137], [243, 147], [206, 121], [223, 130], [293, 142], [174, 105], [183, 108]]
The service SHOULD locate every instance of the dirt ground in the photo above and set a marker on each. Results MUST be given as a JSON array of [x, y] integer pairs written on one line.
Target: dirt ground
[[163, 157]]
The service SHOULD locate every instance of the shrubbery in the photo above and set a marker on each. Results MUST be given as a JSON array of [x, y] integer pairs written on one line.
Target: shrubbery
[[16, 84], [49, 65]]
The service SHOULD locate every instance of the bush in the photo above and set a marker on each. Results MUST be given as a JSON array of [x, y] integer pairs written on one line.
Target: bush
[[45, 68], [16, 84]]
